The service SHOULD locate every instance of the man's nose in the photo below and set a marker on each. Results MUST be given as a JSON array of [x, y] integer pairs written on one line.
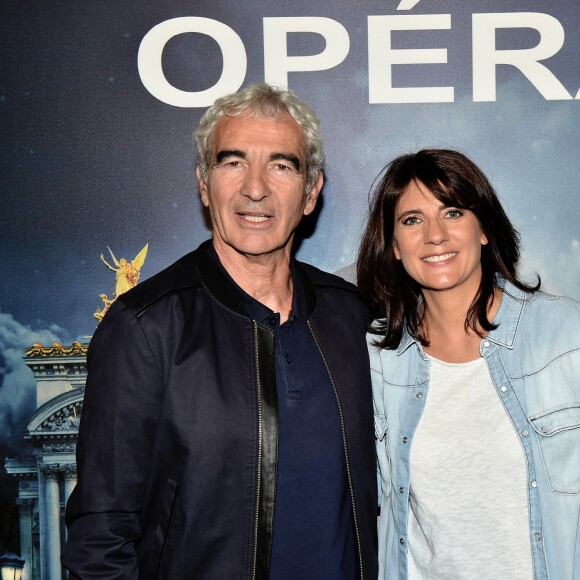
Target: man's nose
[[255, 184]]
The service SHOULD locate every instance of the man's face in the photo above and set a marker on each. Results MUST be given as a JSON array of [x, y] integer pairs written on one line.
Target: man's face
[[255, 188]]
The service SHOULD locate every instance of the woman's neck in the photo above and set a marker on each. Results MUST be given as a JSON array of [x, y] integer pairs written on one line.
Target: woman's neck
[[444, 325]]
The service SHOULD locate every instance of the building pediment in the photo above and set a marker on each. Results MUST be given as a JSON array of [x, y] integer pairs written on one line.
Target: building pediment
[[59, 417]]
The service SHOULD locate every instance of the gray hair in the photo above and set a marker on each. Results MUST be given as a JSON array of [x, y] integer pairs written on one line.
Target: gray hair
[[268, 102]]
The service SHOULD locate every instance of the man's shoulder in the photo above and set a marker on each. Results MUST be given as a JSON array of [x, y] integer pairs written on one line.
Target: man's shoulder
[[333, 291], [321, 278], [181, 275]]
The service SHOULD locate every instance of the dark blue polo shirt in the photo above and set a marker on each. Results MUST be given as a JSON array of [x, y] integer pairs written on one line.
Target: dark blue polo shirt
[[313, 532]]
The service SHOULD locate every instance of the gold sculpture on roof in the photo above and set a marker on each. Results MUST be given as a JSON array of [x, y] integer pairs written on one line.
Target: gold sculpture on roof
[[126, 277], [57, 349]]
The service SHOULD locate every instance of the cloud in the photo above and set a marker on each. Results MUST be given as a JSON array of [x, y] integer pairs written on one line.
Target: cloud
[[17, 385], [558, 266]]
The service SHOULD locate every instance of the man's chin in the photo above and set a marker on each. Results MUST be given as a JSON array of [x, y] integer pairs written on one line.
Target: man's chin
[[254, 249]]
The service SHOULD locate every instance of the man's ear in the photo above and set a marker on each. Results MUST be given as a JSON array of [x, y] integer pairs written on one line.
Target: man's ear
[[312, 195], [202, 187]]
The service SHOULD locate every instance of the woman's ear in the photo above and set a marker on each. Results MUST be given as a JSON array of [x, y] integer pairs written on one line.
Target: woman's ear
[[396, 249]]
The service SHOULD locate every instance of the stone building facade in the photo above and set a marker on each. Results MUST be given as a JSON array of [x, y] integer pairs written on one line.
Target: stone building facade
[[47, 475]]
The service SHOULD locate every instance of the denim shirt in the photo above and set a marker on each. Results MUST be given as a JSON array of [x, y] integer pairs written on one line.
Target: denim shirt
[[533, 358]]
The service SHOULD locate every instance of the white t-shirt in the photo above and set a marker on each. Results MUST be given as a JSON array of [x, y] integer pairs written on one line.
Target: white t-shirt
[[468, 516]]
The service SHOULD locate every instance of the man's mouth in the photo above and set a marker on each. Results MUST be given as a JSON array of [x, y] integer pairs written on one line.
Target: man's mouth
[[255, 218], [439, 258]]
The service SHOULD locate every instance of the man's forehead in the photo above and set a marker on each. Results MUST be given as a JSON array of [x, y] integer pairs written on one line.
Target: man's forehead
[[281, 131]]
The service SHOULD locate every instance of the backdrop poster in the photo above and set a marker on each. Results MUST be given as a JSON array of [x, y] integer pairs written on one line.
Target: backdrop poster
[[98, 101]]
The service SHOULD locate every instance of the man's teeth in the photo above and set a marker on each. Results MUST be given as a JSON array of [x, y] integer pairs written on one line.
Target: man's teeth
[[255, 218], [440, 258]]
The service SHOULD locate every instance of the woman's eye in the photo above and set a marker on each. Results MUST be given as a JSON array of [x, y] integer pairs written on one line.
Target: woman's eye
[[411, 220], [454, 213]]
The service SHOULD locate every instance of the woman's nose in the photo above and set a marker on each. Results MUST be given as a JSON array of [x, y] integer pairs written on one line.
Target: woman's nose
[[434, 232]]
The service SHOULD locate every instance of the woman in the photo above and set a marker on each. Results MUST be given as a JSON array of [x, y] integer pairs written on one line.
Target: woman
[[476, 384]]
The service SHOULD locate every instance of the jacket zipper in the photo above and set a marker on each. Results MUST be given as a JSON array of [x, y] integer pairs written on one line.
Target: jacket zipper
[[348, 473], [259, 462]]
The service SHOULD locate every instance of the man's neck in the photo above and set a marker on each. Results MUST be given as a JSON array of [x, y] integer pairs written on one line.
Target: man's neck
[[266, 278]]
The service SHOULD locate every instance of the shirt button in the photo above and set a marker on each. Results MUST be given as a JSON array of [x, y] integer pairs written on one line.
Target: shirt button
[[288, 359], [534, 483], [401, 490], [503, 389], [401, 541], [272, 320], [537, 536], [525, 432], [544, 429], [486, 343], [419, 395], [405, 439]]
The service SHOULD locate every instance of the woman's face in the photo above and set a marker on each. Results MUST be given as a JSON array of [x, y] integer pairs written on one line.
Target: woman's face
[[439, 246]]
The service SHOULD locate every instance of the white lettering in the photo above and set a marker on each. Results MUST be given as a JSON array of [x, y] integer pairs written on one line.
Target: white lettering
[[407, 4], [149, 61], [486, 57], [382, 57], [277, 63]]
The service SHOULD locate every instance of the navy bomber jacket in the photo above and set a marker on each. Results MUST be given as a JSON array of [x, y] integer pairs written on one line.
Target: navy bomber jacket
[[176, 449]]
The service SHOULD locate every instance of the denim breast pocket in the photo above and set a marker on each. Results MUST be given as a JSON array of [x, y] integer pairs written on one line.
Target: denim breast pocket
[[558, 431]]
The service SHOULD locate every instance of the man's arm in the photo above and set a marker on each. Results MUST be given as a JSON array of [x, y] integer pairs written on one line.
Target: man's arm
[[117, 430]]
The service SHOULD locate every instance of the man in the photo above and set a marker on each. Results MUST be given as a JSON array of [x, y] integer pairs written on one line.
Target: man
[[227, 423]]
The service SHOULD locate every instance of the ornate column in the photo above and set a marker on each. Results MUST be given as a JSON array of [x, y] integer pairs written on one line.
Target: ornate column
[[42, 523], [70, 481], [25, 508], [53, 566]]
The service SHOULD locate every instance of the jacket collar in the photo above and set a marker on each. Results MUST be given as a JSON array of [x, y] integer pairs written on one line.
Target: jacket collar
[[219, 284]]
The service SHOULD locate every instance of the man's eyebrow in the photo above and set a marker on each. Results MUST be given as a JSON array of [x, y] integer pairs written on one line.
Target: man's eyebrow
[[278, 156], [227, 153]]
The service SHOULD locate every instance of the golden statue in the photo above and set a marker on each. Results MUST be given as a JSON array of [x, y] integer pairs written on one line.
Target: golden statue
[[100, 313], [126, 277]]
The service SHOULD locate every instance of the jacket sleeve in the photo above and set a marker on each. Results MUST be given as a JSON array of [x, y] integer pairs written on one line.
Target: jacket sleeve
[[116, 435]]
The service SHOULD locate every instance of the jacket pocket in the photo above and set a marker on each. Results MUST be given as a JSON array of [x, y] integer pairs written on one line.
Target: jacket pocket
[[161, 550], [558, 431]]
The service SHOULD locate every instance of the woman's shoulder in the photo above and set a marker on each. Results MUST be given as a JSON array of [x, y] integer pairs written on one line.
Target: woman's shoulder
[[553, 305], [386, 360], [538, 316], [541, 301]]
